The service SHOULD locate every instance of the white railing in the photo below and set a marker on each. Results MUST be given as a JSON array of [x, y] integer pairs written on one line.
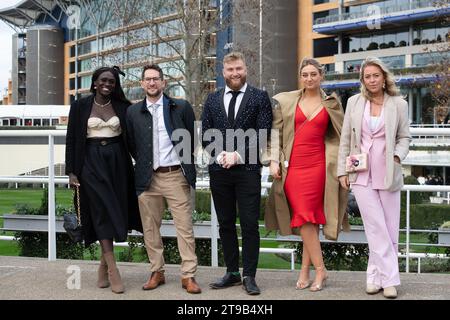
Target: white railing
[[51, 180]]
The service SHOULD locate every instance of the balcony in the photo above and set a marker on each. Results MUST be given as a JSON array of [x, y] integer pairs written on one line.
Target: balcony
[[402, 13], [404, 76]]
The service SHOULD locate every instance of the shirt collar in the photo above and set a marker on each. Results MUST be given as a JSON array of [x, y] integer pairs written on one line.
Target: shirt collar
[[242, 89], [160, 101]]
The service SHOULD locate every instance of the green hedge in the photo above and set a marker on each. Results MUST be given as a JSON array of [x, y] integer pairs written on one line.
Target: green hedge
[[339, 256], [426, 216]]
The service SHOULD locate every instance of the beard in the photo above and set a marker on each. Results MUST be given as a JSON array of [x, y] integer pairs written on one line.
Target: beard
[[154, 94], [236, 86]]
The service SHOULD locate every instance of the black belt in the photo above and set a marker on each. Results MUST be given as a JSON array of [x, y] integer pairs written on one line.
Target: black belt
[[103, 141], [168, 169]]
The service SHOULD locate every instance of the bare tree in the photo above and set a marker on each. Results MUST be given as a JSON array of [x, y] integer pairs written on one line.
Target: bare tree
[[180, 35]]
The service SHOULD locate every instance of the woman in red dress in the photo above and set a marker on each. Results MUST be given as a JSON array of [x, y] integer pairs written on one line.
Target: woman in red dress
[[309, 124]]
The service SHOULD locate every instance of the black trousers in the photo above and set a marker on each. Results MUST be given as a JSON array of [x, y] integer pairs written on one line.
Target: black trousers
[[239, 189]]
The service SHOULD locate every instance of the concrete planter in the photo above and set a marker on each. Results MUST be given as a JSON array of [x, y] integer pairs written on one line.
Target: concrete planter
[[356, 235], [201, 229], [25, 222], [444, 236]]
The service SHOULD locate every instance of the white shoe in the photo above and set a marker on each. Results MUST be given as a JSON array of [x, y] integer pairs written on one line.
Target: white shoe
[[390, 292], [372, 288]]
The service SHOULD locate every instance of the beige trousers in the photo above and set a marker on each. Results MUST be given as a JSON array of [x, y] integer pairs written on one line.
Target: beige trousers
[[174, 188]]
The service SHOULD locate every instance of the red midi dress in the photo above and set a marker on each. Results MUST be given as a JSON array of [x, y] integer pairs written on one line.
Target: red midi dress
[[305, 182]]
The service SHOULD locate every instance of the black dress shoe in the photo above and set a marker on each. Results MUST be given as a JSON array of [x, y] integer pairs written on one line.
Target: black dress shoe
[[228, 280], [250, 286]]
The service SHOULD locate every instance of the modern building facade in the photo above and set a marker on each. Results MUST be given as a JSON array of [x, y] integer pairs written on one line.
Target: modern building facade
[[411, 36], [59, 46]]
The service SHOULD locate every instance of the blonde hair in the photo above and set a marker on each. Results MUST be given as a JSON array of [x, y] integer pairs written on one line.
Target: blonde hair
[[233, 56], [389, 81], [312, 62]]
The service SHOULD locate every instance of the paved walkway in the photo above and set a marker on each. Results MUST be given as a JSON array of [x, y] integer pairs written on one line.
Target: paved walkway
[[35, 278]]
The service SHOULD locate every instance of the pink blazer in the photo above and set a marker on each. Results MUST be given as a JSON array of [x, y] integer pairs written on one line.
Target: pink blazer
[[374, 144]]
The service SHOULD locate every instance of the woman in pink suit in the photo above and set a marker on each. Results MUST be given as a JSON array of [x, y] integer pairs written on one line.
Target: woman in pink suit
[[376, 123]]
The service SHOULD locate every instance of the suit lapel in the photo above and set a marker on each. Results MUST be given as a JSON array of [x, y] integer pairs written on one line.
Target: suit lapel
[[85, 113], [243, 104], [222, 104], [289, 124], [390, 118], [166, 113], [358, 114]]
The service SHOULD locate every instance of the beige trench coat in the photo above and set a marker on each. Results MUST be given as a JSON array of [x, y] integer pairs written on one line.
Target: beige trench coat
[[278, 213]]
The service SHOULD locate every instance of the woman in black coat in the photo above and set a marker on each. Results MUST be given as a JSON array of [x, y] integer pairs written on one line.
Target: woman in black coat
[[97, 160]]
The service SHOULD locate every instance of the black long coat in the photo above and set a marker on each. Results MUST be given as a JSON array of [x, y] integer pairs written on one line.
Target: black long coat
[[80, 110]]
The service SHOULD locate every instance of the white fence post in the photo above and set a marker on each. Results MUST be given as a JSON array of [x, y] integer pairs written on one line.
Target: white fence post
[[51, 200], [214, 236], [408, 194]]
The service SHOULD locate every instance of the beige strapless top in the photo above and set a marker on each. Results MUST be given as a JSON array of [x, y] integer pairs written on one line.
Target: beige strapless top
[[97, 128]]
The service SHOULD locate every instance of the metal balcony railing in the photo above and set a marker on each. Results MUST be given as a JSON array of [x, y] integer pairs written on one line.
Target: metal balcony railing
[[400, 6]]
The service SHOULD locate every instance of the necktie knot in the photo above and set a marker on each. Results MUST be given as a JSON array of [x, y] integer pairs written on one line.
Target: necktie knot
[[235, 93], [154, 107]]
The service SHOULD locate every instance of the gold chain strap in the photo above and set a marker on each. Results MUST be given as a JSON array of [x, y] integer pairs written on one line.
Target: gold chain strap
[[77, 192]]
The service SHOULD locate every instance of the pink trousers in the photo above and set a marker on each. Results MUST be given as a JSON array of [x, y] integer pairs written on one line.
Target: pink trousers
[[380, 211]]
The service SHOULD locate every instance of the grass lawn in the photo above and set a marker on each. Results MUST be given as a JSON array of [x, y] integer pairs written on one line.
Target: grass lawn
[[9, 198], [9, 248]]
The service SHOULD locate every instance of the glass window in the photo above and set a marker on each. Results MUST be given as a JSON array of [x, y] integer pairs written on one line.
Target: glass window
[[430, 33], [170, 49], [87, 65], [394, 62], [139, 35], [175, 90], [324, 14], [112, 42], [85, 82], [173, 69], [325, 47], [329, 68], [424, 59], [133, 74], [169, 28], [353, 65]]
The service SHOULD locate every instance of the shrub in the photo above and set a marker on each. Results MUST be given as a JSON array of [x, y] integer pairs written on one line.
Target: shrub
[[202, 250], [338, 256], [425, 216], [35, 244]]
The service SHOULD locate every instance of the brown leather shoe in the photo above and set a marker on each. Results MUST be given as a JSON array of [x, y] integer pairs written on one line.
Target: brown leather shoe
[[156, 279], [190, 285]]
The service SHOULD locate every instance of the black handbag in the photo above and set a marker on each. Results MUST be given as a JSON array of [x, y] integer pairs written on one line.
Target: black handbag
[[72, 221]]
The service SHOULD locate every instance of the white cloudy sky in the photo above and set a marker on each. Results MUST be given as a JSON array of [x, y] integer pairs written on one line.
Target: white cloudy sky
[[5, 47]]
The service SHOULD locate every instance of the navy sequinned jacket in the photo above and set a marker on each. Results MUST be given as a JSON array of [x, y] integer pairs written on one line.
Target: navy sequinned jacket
[[254, 118]]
